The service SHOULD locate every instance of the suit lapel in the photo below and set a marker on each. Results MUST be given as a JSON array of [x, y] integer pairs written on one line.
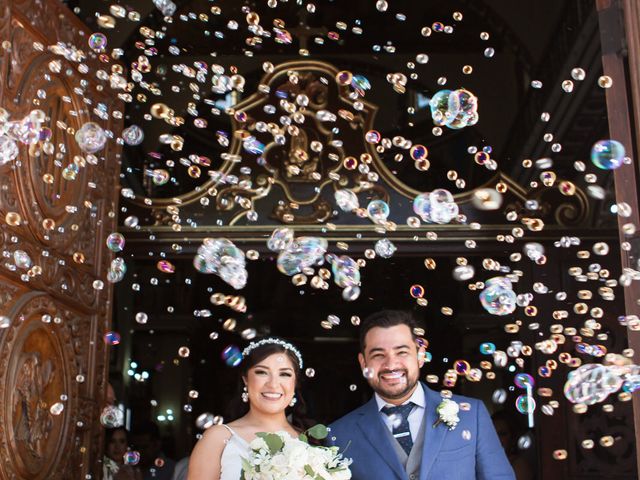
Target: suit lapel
[[433, 437], [375, 432]]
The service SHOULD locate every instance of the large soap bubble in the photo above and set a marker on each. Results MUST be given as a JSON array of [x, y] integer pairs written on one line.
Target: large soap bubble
[[346, 272], [591, 383], [222, 257], [91, 137], [378, 211], [133, 135], [302, 253], [607, 154], [498, 297]]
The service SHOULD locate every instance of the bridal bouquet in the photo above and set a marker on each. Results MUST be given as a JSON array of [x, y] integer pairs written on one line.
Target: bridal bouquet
[[276, 456]]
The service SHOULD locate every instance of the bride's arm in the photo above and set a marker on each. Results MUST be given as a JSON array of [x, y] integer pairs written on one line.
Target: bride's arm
[[204, 463]]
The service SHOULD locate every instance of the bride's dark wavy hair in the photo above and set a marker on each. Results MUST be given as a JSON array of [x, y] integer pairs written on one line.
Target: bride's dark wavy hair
[[298, 412]]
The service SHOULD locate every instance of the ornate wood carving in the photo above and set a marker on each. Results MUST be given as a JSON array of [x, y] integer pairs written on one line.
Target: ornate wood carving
[[52, 358]]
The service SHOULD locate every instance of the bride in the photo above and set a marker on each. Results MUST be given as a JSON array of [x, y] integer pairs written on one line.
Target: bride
[[271, 372]]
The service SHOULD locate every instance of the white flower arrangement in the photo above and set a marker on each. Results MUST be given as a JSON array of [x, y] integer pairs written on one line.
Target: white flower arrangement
[[278, 455], [447, 413]]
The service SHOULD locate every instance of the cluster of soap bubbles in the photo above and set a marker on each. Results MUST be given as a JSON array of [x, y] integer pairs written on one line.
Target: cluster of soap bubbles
[[27, 131], [221, 257], [346, 274], [296, 255], [117, 270], [592, 383], [438, 206], [498, 297], [454, 109]]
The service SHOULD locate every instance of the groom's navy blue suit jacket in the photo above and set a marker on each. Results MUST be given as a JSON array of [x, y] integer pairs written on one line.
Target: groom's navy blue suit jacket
[[471, 451]]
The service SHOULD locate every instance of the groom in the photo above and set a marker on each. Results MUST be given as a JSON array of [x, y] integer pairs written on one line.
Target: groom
[[397, 434]]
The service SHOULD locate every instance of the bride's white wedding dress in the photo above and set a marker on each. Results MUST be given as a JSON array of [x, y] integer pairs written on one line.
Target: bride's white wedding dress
[[231, 460]]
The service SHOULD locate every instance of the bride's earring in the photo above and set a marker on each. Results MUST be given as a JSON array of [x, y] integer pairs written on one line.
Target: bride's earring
[[293, 401], [245, 394]]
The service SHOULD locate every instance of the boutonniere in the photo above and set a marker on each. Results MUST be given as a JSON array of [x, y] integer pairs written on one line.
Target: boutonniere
[[447, 413]]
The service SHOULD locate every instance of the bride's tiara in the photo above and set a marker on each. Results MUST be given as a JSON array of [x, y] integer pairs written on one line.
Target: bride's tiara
[[273, 341]]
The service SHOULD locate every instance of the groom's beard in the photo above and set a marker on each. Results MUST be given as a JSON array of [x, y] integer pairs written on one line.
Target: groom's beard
[[393, 392]]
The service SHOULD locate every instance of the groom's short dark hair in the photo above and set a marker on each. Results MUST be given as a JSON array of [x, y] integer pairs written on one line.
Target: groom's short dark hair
[[387, 319]]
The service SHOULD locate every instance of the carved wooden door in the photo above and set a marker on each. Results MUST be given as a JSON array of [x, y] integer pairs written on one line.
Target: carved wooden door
[[54, 303]]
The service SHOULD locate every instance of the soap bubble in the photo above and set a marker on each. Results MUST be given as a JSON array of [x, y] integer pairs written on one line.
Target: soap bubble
[[131, 457], [522, 380], [347, 200], [487, 348], [111, 338], [499, 396], [368, 372], [385, 248], [166, 7], [416, 291], [133, 135], [378, 211], [111, 417], [159, 176], [486, 199], [498, 297], [97, 42], [463, 273], [115, 242], [607, 154], [534, 250], [57, 408], [206, 420], [22, 259], [525, 404], [232, 356], [91, 137]]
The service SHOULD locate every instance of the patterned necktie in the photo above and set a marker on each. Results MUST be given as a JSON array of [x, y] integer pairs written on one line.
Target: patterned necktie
[[400, 424]]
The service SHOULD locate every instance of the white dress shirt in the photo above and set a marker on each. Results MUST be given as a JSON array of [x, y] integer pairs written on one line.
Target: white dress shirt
[[415, 417]]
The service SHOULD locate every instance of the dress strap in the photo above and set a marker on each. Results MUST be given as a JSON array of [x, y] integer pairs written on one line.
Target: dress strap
[[229, 428]]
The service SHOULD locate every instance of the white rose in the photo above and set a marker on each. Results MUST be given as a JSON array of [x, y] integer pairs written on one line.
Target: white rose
[[258, 444], [449, 408]]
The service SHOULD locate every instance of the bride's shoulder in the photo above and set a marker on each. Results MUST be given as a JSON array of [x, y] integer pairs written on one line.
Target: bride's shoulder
[[216, 434]]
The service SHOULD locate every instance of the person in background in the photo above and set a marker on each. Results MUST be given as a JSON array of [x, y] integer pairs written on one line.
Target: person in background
[[182, 469], [503, 424], [116, 447], [154, 463]]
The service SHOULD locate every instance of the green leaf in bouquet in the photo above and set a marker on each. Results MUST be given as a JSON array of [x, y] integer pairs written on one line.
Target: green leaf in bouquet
[[246, 466], [303, 438], [309, 471], [273, 441], [319, 432]]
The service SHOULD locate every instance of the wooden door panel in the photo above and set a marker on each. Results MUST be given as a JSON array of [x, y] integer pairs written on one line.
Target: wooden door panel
[[52, 358]]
